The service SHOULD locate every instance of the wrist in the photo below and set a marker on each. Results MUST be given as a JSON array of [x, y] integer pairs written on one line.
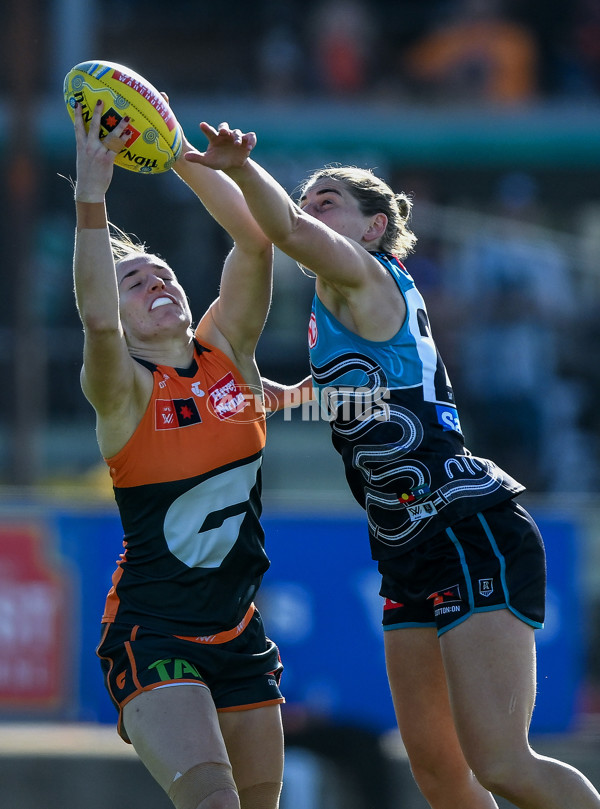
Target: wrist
[[91, 215], [237, 173], [89, 196]]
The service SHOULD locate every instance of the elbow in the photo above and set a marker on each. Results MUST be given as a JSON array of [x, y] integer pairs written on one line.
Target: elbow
[[259, 252], [99, 325], [289, 237], [265, 252]]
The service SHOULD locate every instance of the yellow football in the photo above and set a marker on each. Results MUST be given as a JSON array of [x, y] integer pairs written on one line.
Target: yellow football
[[155, 141]]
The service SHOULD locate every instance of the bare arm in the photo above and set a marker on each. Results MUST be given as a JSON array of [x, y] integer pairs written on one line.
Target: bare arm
[[108, 375], [240, 311], [336, 259], [351, 283], [280, 397]]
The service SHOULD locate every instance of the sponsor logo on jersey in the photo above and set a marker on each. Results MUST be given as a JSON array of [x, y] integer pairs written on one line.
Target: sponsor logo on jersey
[[421, 511], [226, 397], [486, 587], [313, 332], [448, 418], [170, 414], [197, 390]]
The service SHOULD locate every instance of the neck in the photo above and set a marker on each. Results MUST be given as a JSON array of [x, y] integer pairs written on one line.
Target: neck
[[176, 353]]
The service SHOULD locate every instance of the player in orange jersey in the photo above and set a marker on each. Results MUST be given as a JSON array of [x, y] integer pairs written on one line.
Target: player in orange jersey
[[181, 425]]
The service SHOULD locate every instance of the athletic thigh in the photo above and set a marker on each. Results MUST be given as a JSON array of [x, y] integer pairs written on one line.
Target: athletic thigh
[[491, 674], [241, 673], [254, 742], [174, 728], [418, 685]]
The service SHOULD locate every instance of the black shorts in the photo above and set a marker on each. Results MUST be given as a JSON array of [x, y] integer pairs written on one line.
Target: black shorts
[[492, 560], [241, 673]]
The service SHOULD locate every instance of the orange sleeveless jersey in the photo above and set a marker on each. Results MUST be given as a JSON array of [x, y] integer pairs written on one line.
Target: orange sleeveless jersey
[[188, 487]]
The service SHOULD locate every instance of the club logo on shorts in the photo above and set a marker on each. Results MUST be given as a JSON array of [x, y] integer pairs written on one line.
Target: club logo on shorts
[[486, 587]]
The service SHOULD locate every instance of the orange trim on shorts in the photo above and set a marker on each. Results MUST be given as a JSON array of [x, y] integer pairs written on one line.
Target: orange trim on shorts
[[167, 684], [225, 636], [127, 645], [252, 705]]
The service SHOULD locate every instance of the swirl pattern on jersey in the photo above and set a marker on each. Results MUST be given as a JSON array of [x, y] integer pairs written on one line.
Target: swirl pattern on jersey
[[395, 424]]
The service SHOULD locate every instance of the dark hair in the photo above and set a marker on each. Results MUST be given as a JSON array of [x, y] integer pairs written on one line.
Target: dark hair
[[375, 196]]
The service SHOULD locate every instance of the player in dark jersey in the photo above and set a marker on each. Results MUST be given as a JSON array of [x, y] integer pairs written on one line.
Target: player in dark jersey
[[181, 425], [463, 566]]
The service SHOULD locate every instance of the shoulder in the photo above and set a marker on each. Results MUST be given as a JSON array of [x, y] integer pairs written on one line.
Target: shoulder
[[207, 333], [117, 422], [394, 267]]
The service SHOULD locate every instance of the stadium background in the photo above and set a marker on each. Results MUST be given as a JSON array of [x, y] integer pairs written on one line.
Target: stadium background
[[488, 114]]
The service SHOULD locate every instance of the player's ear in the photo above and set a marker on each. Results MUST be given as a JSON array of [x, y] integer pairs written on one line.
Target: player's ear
[[377, 228]]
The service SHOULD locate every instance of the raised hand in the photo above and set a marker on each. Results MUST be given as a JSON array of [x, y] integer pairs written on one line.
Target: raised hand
[[95, 156], [227, 148]]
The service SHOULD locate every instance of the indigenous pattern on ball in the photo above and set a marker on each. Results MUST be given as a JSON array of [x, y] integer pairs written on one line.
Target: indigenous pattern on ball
[[155, 138]]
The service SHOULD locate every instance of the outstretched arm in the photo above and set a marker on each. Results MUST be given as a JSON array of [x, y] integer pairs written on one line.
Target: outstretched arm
[[238, 315], [332, 237], [335, 258], [280, 397], [107, 374]]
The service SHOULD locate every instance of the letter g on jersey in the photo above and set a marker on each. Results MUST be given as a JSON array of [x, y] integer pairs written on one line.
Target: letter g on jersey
[[203, 524]]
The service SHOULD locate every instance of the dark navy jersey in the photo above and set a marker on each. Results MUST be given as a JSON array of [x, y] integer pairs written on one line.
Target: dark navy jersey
[[395, 423], [188, 488]]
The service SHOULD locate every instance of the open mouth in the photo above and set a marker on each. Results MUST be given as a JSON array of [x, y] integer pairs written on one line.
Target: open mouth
[[160, 302]]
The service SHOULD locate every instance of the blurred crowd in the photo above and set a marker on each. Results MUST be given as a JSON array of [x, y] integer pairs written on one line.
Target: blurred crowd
[[450, 51], [515, 310], [506, 258], [499, 51], [512, 295]]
